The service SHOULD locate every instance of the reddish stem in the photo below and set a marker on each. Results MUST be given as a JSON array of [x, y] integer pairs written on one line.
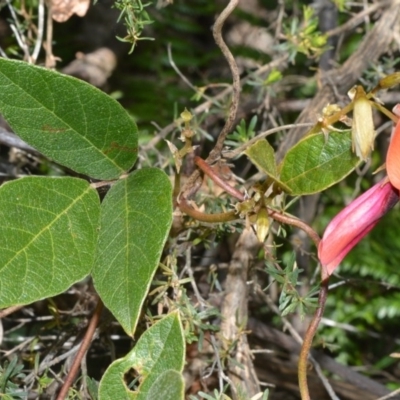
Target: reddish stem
[[308, 339], [200, 216], [209, 171], [297, 223], [63, 394]]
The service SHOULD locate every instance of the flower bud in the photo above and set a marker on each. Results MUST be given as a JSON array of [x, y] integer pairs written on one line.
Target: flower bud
[[363, 133], [262, 224], [353, 223]]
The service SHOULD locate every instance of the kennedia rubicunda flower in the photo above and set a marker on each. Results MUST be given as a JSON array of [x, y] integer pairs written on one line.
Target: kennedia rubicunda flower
[[353, 223], [393, 154]]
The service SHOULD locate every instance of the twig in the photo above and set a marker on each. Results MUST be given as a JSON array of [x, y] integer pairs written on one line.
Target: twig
[[18, 32], [219, 181], [82, 351], [221, 375], [50, 59], [390, 395], [9, 310], [217, 33], [308, 339], [47, 364], [298, 339], [357, 19], [295, 222], [39, 37], [183, 77], [200, 216]]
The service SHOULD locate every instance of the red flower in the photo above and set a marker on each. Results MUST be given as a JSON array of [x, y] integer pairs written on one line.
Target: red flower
[[393, 154], [353, 223]]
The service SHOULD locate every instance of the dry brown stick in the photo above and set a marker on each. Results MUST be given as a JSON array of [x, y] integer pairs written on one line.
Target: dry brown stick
[[9, 310], [63, 394], [234, 312], [357, 19], [217, 33]]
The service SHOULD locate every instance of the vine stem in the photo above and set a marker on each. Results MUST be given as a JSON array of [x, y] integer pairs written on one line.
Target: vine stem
[[194, 181], [217, 33], [200, 216], [308, 339], [63, 394], [209, 171]]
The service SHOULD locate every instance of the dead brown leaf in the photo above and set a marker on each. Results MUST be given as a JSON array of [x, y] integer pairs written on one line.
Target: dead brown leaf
[[62, 10]]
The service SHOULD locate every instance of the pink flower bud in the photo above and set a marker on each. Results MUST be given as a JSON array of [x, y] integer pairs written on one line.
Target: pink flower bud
[[353, 223]]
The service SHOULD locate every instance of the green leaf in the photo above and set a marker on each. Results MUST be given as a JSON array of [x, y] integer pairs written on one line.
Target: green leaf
[[136, 216], [67, 120], [170, 385], [159, 350], [262, 155], [316, 163], [48, 236]]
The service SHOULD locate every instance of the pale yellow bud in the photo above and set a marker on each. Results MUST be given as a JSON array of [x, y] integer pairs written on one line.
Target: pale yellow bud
[[186, 116], [363, 132], [262, 224]]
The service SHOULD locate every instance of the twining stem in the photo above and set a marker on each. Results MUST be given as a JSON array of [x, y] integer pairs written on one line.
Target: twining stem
[[208, 170], [298, 223], [63, 394], [308, 339], [217, 33], [211, 218]]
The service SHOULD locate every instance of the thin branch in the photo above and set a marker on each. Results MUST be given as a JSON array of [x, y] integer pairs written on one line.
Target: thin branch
[[217, 33], [211, 218], [209, 171], [50, 59], [308, 339], [390, 395], [183, 77], [357, 19], [40, 33], [19, 36], [9, 310], [287, 325], [295, 222], [82, 351]]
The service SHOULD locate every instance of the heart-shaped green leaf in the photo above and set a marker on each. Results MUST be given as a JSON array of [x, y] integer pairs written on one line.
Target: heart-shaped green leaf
[[317, 162], [262, 155], [67, 120], [158, 353], [136, 216], [48, 235]]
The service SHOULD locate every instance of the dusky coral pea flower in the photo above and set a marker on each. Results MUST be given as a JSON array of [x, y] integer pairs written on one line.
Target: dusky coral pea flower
[[353, 223], [393, 154]]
